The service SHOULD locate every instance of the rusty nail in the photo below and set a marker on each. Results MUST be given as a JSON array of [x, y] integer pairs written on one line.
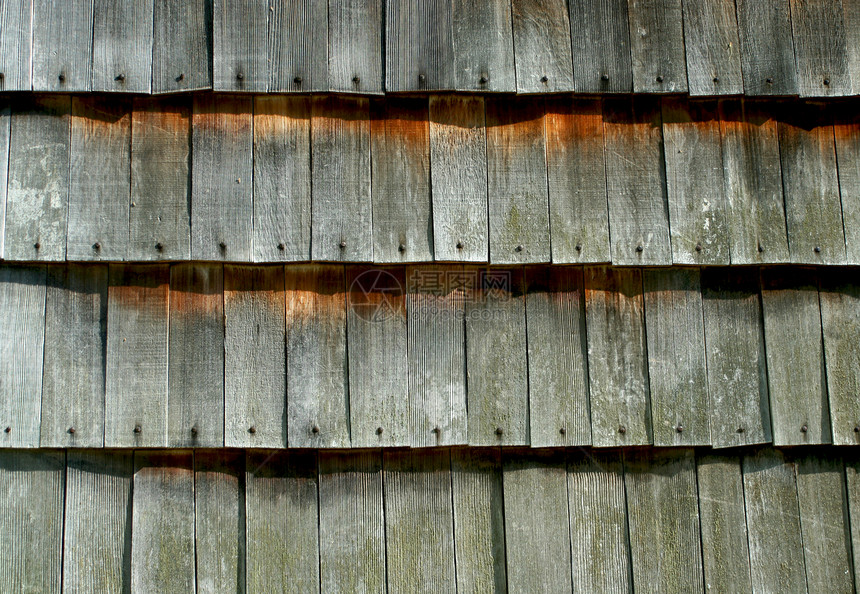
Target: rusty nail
[[698, 247], [768, 80], [519, 248], [716, 80], [578, 247], [159, 246], [194, 430], [356, 79], [679, 428], [499, 430], [37, 245], [222, 245], [8, 429], [71, 430], [740, 429], [62, 77], [421, 78], [622, 429], [298, 80], [281, 246], [342, 244], [120, 77], [401, 248], [804, 428], [137, 429], [817, 249], [180, 77], [459, 245], [760, 248], [639, 248], [544, 78], [97, 246], [826, 81], [252, 429], [239, 76], [562, 431], [315, 429], [604, 77], [379, 430], [659, 79], [483, 80]]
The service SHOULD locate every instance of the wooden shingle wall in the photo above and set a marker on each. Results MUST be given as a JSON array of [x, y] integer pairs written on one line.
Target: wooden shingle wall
[[700, 47]]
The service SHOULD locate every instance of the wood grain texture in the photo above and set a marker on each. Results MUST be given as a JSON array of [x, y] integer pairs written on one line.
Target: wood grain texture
[[576, 177], [767, 50], [16, 47], [458, 176], [298, 46], [542, 46], [160, 209], [352, 526], [181, 46], [73, 382], [851, 26], [479, 523], [713, 50], [537, 532], [255, 372], [483, 46], [676, 357], [846, 131], [281, 500], [517, 182], [62, 45], [737, 370], [725, 550], [753, 182], [31, 520], [195, 397], [122, 46], [162, 543], [355, 32], [617, 360], [557, 357], [219, 520], [419, 523], [698, 217], [657, 46], [598, 522], [37, 196], [317, 380], [136, 356], [22, 324], [340, 153], [773, 523], [600, 47], [435, 308], [663, 517], [98, 521], [240, 36], [636, 182], [496, 358], [5, 130], [100, 180], [376, 337], [419, 45], [820, 50], [400, 170], [282, 179], [852, 480], [795, 357]]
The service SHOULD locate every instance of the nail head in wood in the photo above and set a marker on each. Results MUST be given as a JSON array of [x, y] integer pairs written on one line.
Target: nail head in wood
[[639, 248], [459, 245], [622, 429], [604, 77], [120, 77], [222, 245], [356, 79], [379, 430], [37, 245], [315, 429], [281, 246], [159, 246], [239, 76], [679, 428], [62, 78], [342, 244], [519, 248], [544, 78], [194, 430], [401, 248], [659, 79], [137, 429], [8, 430], [71, 430], [804, 428], [499, 431], [483, 80], [298, 80], [97, 246], [817, 249], [252, 429], [698, 247], [180, 78]]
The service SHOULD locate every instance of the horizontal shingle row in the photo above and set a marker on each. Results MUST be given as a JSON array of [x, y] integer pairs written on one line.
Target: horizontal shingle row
[[704, 47], [212, 355], [631, 181]]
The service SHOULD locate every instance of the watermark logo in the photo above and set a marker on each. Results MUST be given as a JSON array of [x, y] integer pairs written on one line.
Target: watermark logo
[[375, 295]]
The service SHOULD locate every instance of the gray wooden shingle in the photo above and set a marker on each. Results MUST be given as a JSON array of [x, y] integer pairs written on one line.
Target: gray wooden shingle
[[16, 45], [419, 45], [767, 50], [298, 46], [483, 45], [600, 45], [657, 46], [62, 45], [851, 24], [355, 32], [846, 131], [5, 130], [542, 46], [820, 50], [122, 46], [240, 42], [712, 47], [182, 38], [852, 480]]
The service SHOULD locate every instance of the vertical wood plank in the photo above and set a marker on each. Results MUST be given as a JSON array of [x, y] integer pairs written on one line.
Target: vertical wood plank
[[676, 357], [73, 384], [851, 24], [32, 485], [162, 543], [195, 399], [5, 131], [282, 179], [435, 306], [22, 326], [282, 518], [419, 45], [767, 50], [846, 129], [537, 532], [355, 53], [98, 521], [483, 46], [222, 169], [255, 372], [657, 46], [182, 38], [298, 46], [697, 203], [340, 153], [37, 198], [725, 549], [737, 371], [517, 181], [16, 45], [852, 478], [542, 46], [100, 181], [496, 358], [576, 177], [400, 170], [122, 46], [352, 526], [62, 45], [795, 357], [159, 214], [219, 520], [479, 523], [240, 45], [136, 356], [664, 520], [713, 50], [753, 182], [458, 176], [317, 382], [600, 46], [617, 360], [636, 182], [557, 357], [419, 523], [376, 338], [820, 50]]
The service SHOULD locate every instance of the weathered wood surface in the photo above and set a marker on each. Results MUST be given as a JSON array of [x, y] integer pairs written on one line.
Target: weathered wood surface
[[852, 481], [483, 42], [16, 48], [240, 45], [657, 46], [122, 46], [62, 45], [600, 44], [542, 46], [713, 48], [5, 130], [821, 58], [846, 131], [298, 46], [182, 36], [419, 45], [851, 25], [355, 33], [767, 49]]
